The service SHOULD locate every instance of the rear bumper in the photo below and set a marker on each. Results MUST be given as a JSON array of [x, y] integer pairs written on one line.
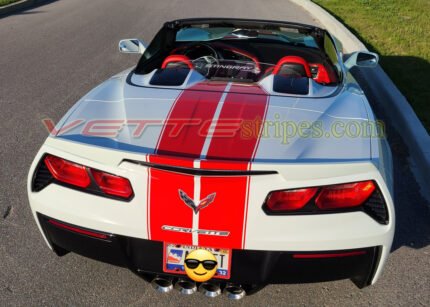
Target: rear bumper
[[247, 267]]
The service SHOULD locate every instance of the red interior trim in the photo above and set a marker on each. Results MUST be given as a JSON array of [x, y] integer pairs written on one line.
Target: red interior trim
[[177, 58]]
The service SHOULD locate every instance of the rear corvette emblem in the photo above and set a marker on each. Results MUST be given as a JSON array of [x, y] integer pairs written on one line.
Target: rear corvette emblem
[[201, 204]]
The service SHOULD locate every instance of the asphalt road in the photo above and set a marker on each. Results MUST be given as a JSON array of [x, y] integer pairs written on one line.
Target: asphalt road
[[52, 55]]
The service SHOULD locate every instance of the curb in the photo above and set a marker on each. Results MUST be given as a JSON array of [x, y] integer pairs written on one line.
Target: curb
[[18, 6], [390, 99]]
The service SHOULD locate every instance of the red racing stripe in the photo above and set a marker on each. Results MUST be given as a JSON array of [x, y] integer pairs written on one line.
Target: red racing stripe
[[228, 212], [247, 103], [164, 207], [182, 135], [229, 209]]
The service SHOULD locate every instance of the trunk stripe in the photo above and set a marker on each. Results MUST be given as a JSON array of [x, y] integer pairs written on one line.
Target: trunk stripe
[[164, 205], [205, 149], [229, 210], [182, 135]]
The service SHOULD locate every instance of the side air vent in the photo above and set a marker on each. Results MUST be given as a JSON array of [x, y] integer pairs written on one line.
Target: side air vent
[[376, 208], [42, 177]]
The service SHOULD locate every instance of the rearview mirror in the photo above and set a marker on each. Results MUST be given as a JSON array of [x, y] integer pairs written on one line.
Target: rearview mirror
[[131, 45], [362, 59]]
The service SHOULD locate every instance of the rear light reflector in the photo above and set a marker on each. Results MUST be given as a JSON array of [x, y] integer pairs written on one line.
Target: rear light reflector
[[79, 230], [289, 200], [344, 195], [112, 185], [331, 255], [68, 172]]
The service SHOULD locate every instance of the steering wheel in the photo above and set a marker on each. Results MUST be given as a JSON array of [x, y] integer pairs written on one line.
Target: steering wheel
[[203, 58]]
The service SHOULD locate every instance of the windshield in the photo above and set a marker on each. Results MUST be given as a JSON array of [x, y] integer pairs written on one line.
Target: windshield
[[285, 35]]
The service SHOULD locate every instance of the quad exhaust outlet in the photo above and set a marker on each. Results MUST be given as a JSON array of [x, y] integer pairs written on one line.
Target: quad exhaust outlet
[[210, 289], [162, 284], [187, 287], [234, 292]]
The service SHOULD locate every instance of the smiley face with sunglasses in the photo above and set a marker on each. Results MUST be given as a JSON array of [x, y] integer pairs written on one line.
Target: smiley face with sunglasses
[[200, 265]]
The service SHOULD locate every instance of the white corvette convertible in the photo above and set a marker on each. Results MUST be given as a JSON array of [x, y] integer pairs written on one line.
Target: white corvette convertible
[[248, 139]]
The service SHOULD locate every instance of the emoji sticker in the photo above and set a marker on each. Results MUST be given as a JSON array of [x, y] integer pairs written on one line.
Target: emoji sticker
[[200, 265]]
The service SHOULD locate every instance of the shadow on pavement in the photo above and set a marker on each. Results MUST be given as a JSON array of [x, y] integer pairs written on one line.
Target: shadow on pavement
[[412, 210], [23, 9]]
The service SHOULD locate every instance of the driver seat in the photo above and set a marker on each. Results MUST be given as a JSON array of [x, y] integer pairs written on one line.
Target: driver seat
[[177, 61], [292, 66]]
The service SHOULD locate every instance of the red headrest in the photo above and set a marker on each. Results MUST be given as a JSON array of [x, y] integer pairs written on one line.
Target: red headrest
[[294, 60], [177, 58]]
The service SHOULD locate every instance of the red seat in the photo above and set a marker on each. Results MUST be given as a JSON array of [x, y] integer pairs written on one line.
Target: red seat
[[176, 58], [295, 60]]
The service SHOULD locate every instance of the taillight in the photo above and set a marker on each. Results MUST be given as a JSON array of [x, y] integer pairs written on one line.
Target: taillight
[[344, 195], [68, 172], [112, 185], [289, 200], [78, 176], [355, 196]]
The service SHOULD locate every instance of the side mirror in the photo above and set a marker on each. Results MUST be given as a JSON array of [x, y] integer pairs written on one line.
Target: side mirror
[[362, 59], [131, 45]]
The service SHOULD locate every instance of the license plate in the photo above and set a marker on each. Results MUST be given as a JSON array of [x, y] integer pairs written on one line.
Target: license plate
[[175, 254]]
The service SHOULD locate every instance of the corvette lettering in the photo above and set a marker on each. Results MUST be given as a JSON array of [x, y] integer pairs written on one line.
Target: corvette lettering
[[198, 231]]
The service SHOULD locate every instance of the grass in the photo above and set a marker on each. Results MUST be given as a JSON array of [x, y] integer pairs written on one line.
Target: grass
[[6, 2], [399, 31]]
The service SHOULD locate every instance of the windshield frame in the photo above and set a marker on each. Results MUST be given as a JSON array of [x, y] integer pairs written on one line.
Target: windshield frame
[[165, 39]]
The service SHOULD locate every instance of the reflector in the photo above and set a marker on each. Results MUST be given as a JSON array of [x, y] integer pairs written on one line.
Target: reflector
[[330, 255], [79, 230]]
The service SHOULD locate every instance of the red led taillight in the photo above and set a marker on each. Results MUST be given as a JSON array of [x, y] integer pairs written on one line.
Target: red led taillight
[[321, 198], [79, 176], [112, 185], [289, 200], [344, 195], [68, 172]]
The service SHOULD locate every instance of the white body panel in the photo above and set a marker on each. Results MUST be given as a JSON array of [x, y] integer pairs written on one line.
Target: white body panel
[[289, 233]]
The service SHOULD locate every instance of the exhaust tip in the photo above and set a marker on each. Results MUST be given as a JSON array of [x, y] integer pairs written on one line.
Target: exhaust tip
[[186, 287], [162, 284], [210, 289], [234, 292]]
